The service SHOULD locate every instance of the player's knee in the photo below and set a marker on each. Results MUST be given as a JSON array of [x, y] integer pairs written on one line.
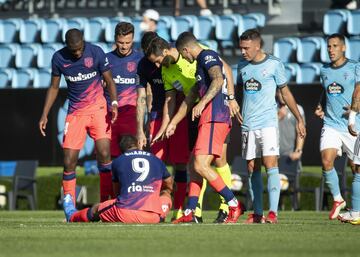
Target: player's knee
[[103, 155], [70, 162], [199, 167], [327, 163]]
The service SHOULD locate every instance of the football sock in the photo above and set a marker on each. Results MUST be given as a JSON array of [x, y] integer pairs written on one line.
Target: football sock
[[194, 192], [256, 188], [355, 197], [198, 210], [220, 187], [273, 186], [83, 215], [225, 174], [180, 189], [332, 181], [106, 187], [69, 184]]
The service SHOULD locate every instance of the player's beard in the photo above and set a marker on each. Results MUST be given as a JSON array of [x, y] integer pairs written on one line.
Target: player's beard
[[168, 59]]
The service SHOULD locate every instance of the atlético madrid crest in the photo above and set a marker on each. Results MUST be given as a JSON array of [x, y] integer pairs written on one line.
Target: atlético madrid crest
[[131, 66], [88, 62]]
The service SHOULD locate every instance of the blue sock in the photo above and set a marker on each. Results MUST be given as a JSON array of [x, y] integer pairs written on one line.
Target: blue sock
[[273, 186], [257, 189], [192, 202], [332, 181], [355, 196]]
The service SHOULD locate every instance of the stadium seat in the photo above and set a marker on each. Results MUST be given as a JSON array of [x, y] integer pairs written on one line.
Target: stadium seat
[[63, 82], [204, 28], [308, 73], [225, 29], [291, 70], [252, 21], [285, 49], [94, 29], [324, 56], [353, 22], [212, 44], [9, 30], [164, 26], [73, 23], [335, 21], [42, 78], [7, 53], [103, 46], [234, 73], [181, 24], [110, 27], [136, 22], [45, 54], [22, 78], [25, 55], [30, 30], [5, 77], [308, 49], [354, 49], [51, 30]]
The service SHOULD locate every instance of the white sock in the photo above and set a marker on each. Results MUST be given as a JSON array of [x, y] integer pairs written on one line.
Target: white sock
[[233, 202]]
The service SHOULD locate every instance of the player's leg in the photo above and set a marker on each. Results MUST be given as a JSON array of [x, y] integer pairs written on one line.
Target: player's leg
[[355, 197], [330, 148], [84, 215]]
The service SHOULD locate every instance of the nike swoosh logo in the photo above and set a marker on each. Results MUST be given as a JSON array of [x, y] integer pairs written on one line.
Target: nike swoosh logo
[[66, 65]]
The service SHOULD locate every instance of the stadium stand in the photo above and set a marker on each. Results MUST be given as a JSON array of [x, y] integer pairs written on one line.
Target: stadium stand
[[308, 49], [285, 49], [335, 21], [352, 25]]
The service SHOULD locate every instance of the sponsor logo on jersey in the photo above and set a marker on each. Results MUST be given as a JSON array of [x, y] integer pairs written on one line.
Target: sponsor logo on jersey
[[209, 58], [81, 77], [106, 61], [67, 65], [252, 86], [88, 62], [140, 188], [119, 80], [198, 78], [131, 66], [335, 89], [158, 81]]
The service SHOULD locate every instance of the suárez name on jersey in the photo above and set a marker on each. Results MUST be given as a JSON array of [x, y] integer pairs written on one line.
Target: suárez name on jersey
[[119, 80], [81, 77]]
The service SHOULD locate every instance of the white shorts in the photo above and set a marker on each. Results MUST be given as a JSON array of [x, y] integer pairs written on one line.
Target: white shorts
[[260, 142], [341, 141]]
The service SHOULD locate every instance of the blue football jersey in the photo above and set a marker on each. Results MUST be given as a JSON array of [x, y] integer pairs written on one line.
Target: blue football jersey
[[339, 84], [259, 82], [140, 176]]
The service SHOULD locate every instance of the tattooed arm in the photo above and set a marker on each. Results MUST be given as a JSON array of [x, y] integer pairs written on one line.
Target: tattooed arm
[[140, 112], [355, 108], [217, 80]]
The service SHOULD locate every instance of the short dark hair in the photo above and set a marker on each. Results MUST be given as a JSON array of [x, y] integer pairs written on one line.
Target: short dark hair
[[184, 39], [73, 37], [146, 39], [127, 142], [124, 28], [341, 37], [252, 34], [157, 46]]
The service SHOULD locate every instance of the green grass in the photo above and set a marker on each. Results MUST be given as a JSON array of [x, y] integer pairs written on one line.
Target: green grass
[[43, 233]]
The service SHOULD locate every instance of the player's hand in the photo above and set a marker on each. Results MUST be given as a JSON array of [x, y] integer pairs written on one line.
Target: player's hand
[[319, 112], [42, 125], [352, 130], [197, 110], [300, 129], [347, 110], [114, 113], [294, 156], [235, 110], [141, 139], [170, 130], [158, 137]]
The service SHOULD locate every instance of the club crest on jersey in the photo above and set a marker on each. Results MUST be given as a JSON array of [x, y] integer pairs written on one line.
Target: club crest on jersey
[[335, 89], [209, 58], [88, 62], [131, 66], [252, 86]]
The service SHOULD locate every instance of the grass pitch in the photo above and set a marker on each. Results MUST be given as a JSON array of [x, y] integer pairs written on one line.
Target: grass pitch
[[42, 233]]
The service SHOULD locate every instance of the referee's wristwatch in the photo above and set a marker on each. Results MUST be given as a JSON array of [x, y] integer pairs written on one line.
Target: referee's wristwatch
[[231, 97]]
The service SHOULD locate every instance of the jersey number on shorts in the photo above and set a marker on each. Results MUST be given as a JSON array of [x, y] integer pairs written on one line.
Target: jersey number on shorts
[[141, 165]]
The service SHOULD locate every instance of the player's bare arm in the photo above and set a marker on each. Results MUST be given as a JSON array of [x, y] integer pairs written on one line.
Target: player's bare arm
[[167, 187], [319, 112], [140, 112], [111, 88], [291, 103], [233, 104], [51, 95], [355, 108], [217, 81]]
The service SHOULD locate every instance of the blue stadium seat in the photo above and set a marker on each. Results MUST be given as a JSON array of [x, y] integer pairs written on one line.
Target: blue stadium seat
[[51, 30], [110, 27], [212, 44], [309, 49], [354, 49], [9, 30], [94, 29], [103, 46], [136, 22], [30, 30], [164, 26], [234, 73], [26, 54], [285, 49], [291, 70], [45, 54], [324, 57], [5, 77], [308, 73], [335, 21], [7, 53], [181, 24], [63, 82], [42, 78], [252, 21], [73, 23], [353, 22], [22, 78], [204, 28], [226, 29]]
